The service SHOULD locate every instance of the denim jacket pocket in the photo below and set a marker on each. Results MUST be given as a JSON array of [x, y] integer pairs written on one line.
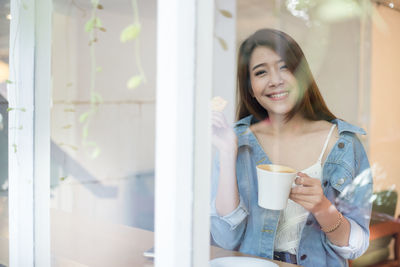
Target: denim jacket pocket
[[342, 182]]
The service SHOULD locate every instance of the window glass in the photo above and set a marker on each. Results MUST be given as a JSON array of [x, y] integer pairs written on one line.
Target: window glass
[[102, 132], [350, 54]]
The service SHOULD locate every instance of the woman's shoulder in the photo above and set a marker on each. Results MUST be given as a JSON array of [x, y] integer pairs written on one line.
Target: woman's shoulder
[[321, 128], [345, 127]]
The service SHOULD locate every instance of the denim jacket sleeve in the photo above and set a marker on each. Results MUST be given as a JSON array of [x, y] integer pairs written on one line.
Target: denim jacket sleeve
[[352, 180], [227, 231]]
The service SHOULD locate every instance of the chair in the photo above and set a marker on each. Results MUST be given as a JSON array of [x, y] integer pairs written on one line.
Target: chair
[[382, 229]]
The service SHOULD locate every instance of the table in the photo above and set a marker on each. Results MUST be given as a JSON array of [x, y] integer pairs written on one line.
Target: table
[[79, 241]]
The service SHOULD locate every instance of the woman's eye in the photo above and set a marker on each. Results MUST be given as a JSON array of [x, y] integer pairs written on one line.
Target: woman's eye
[[260, 72], [284, 67]]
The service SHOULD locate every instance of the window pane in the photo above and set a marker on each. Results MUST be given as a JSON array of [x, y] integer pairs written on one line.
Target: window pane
[[351, 55], [102, 132]]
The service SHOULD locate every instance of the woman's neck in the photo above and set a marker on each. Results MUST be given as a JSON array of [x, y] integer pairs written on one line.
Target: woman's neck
[[277, 125]]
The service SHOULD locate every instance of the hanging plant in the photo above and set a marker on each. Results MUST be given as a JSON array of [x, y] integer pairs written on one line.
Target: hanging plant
[[92, 26], [228, 15], [132, 32]]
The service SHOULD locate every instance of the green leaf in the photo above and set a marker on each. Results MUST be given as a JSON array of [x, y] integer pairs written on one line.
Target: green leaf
[[15, 148], [222, 43], [85, 131], [96, 98], [130, 32], [225, 13], [99, 69], [83, 117], [95, 153], [63, 178], [23, 109], [91, 143], [90, 24], [134, 82], [9, 109], [102, 29], [67, 126], [98, 23], [73, 147], [9, 82]]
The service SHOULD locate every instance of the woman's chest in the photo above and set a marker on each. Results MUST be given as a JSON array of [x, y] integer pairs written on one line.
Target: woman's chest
[[298, 153]]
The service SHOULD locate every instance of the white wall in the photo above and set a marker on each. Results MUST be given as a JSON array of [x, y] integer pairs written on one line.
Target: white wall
[[385, 95], [106, 187]]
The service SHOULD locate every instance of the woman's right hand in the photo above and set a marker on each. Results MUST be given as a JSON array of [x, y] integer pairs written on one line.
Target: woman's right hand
[[223, 136]]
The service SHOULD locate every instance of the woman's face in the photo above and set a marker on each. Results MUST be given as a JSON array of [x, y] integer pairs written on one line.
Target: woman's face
[[274, 86]]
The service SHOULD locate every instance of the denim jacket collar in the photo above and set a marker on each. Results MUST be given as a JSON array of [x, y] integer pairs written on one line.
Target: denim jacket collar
[[242, 129]]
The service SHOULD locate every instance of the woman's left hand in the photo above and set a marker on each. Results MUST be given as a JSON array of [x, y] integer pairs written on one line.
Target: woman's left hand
[[309, 194]]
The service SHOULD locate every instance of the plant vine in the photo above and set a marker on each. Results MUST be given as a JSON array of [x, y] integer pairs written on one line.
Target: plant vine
[[132, 32], [92, 26], [228, 15]]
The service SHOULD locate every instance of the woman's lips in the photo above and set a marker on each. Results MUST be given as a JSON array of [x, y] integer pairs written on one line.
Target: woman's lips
[[278, 95]]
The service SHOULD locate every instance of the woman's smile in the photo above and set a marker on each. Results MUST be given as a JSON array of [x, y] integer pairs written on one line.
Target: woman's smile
[[278, 96]]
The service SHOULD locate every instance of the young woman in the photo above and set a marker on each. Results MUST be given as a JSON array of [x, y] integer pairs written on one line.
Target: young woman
[[283, 119]]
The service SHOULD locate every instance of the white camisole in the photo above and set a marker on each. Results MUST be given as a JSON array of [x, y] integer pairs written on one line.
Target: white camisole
[[294, 216]]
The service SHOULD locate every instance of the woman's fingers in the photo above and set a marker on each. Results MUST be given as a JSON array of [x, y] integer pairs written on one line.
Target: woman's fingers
[[307, 201], [217, 121], [305, 180], [220, 117], [304, 190]]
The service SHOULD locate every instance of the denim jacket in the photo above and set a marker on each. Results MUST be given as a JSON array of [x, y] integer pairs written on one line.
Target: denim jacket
[[346, 182]]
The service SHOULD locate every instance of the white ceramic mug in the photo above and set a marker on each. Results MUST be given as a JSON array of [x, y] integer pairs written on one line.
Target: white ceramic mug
[[274, 184]]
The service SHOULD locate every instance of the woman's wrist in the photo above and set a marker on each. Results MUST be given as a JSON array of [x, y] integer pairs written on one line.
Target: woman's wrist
[[322, 208], [329, 218]]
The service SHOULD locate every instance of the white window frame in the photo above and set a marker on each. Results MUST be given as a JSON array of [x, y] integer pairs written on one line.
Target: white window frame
[[183, 138], [183, 152], [29, 146]]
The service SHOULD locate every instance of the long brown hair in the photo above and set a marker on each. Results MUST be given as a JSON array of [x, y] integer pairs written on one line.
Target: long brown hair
[[310, 104]]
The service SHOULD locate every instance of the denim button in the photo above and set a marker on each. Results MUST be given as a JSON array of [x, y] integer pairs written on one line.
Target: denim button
[[303, 257], [325, 183], [309, 222], [341, 145], [340, 181]]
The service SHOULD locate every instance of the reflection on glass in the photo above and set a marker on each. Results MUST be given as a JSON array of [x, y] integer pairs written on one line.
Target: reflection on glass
[[102, 135], [272, 126]]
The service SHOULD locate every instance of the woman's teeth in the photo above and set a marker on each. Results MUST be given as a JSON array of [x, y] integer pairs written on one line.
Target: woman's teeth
[[278, 95]]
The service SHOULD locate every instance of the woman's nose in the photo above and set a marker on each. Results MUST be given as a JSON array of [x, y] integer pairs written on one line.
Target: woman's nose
[[275, 79]]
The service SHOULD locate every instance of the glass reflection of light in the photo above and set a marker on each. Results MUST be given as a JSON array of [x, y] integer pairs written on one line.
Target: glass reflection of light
[[299, 8]]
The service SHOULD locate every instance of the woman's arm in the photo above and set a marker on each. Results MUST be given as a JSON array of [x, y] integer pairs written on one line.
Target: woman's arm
[[227, 198], [228, 211], [225, 140]]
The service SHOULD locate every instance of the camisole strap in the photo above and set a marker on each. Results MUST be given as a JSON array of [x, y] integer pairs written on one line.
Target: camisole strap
[[326, 142]]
